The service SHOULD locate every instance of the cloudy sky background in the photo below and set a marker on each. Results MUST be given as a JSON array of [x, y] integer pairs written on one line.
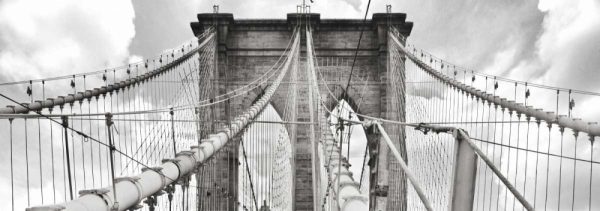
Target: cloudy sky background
[[550, 42]]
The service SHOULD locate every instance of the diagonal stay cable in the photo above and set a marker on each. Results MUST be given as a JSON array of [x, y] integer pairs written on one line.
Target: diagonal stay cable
[[357, 49]]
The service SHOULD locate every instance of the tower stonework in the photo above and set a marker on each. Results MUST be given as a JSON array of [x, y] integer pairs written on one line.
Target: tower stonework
[[247, 48]]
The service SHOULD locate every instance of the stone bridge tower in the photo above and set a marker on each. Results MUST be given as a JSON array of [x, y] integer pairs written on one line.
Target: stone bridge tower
[[248, 47]]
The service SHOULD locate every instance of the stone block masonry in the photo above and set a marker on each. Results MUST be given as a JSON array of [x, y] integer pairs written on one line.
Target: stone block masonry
[[248, 47]]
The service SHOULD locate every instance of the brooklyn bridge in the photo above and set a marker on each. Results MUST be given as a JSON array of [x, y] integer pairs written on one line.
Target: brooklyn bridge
[[262, 114]]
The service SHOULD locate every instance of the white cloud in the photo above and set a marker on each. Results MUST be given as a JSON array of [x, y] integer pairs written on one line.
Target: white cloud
[[135, 59], [569, 43], [51, 38], [566, 54], [355, 4]]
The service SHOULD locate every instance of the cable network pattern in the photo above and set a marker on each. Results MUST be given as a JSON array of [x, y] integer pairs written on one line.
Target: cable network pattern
[[546, 167], [133, 123], [169, 133], [70, 151]]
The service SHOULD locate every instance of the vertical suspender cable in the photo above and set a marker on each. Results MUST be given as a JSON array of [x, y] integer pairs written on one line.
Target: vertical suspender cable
[[12, 182], [109, 124], [172, 113], [65, 123], [27, 162]]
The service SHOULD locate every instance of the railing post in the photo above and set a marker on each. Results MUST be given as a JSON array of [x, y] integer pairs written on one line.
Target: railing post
[[464, 175]]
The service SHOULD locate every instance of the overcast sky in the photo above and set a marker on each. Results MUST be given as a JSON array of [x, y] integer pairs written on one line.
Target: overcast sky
[[552, 42]]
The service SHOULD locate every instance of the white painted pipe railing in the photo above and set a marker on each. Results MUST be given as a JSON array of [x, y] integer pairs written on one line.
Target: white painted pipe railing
[[348, 194], [132, 190], [313, 91]]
